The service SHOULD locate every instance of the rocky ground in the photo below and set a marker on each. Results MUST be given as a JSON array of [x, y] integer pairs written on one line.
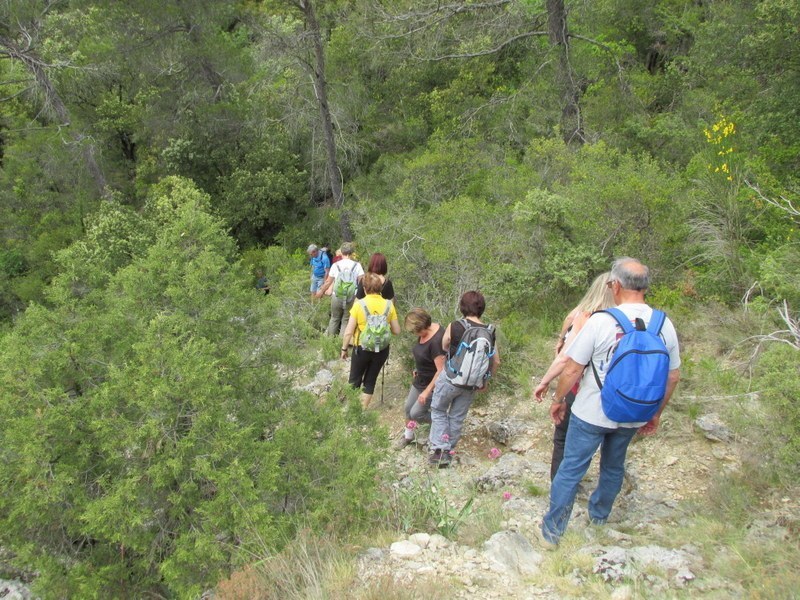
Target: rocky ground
[[499, 482], [667, 477]]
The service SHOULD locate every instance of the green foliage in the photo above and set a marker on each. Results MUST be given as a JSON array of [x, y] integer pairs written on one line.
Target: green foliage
[[420, 506], [156, 448], [778, 378], [780, 273]]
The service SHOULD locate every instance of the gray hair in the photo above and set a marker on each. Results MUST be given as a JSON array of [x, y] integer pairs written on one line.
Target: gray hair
[[631, 274]]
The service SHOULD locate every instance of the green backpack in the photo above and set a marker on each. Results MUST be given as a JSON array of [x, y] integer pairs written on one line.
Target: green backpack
[[346, 283], [377, 333]]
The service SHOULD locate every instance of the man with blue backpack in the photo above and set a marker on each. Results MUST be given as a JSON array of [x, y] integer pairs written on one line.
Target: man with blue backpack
[[627, 360]]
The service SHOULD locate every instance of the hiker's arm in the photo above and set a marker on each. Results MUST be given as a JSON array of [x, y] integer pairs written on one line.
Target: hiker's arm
[[348, 335], [494, 364], [651, 426], [557, 366], [395, 326], [564, 327], [555, 369], [569, 377], [446, 339], [328, 283], [426, 393]]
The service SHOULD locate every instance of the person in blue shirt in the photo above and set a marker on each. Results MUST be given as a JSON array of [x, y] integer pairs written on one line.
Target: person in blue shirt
[[320, 265]]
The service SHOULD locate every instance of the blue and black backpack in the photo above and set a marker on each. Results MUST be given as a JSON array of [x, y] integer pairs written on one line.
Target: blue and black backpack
[[636, 379]]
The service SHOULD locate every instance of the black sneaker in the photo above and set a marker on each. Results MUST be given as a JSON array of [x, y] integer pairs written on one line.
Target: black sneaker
[[439, 458]]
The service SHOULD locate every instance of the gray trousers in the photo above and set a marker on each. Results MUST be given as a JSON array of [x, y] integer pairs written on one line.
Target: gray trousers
[[449, 408], [421, 413], [340, 313]]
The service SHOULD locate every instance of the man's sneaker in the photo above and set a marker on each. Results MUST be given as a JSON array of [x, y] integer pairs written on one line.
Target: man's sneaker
[[439, 458], [402, 442], [543, 541]]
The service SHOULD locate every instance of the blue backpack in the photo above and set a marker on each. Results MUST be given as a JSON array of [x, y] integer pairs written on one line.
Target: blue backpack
[[636, 379]]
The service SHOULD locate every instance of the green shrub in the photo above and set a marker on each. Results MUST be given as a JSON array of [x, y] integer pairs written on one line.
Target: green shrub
[[149, 444], [778, 378]]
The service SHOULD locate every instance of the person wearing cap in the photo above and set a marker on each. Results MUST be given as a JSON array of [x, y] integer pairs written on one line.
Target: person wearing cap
[[341, 304], [320, 265]]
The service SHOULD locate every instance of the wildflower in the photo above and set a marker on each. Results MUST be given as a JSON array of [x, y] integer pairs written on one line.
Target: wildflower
[[494, 453], [506, 496], [411, 424]]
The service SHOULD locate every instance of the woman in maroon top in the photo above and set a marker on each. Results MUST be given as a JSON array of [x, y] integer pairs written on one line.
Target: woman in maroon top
[[378, 265]]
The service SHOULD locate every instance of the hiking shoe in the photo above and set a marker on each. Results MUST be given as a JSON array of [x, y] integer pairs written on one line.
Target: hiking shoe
[[439, 458], [543, 541], [402, 442]]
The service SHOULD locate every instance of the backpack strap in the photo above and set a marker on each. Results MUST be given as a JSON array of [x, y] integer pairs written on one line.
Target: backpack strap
[[656, 322], [387, 309], [625, 325], [363, 304], [493, 334], [620, 317]]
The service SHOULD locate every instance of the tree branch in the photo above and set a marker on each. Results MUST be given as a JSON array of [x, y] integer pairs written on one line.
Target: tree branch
[[784, 204], [494, 50]]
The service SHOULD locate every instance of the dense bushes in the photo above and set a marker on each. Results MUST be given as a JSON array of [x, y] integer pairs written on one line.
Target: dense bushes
[[148, 444], [778, 379]]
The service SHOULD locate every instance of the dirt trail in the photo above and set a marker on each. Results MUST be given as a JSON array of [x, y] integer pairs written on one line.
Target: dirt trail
[[664, 473]]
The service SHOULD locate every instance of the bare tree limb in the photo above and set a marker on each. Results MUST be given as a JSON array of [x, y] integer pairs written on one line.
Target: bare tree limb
[[783, 204], [494, 50]]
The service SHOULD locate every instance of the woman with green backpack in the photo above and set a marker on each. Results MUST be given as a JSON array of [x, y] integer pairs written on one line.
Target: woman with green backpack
[[373, 321]]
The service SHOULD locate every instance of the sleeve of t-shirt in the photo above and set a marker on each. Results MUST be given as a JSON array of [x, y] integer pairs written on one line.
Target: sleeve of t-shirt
[[326, 262], [456, 333], [581, 349], [392, 312], [360, 291], [359, 271], [671, 342], [436, 344], [388, 290]]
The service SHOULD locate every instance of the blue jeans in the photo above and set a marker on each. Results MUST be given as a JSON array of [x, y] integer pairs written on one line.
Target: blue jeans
[[583, 439]]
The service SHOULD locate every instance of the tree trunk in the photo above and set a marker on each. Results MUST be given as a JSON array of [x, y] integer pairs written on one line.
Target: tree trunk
[[571, 118], [321, 92]]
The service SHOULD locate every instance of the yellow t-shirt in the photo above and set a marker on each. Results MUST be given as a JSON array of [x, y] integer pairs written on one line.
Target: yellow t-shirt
[[376, 305]]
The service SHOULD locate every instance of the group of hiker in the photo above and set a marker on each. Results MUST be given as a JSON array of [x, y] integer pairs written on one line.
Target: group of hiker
[[616, 361]]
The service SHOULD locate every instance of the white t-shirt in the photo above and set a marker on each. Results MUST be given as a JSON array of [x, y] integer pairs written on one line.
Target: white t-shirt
[[596, 343], [345, 264]]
